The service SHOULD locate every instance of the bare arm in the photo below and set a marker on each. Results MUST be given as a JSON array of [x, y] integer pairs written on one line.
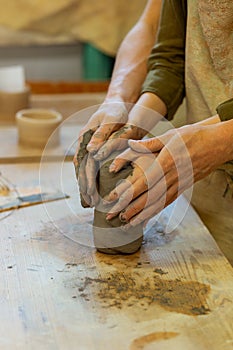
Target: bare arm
[[125, 87], [131, 63]]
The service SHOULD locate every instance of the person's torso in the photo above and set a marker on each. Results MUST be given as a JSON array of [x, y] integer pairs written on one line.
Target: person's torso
[[209, 56]]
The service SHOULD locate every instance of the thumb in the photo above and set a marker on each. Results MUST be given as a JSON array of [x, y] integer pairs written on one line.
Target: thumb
[[146, 146]]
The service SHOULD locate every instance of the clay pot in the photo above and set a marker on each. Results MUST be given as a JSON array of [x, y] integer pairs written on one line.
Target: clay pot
[[35, 126]]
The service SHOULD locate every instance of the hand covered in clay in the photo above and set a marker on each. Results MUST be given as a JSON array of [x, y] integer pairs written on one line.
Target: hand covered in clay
[[108, 130], [184, 156], [107, 119]]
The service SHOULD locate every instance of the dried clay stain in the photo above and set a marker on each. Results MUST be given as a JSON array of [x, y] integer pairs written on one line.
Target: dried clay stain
[[130, 289], [141, 342]]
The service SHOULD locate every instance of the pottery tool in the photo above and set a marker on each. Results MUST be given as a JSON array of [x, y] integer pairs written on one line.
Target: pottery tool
[[32, 199]]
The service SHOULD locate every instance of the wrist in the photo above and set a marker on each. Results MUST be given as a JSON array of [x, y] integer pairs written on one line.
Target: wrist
[[224, 137], [113, 97], [228, 131], [122, 96], [118, 99], [125, 85], [153, 102]]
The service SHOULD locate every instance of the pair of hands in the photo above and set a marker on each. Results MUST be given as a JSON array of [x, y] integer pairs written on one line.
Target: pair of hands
[[111, 127], [164, 166]]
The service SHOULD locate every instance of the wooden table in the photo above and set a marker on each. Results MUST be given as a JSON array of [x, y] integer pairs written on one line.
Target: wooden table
[[13, 152], [58, 293]]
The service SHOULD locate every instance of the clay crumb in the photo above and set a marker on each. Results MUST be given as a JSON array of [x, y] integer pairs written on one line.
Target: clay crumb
[[160, 271], [71, 264], [123, 289]]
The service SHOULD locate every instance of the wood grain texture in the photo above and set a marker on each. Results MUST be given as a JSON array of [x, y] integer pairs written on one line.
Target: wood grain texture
[[56, 292]]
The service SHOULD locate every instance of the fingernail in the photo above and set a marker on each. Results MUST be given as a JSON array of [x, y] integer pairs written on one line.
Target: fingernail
[[111, 197], [138, 146], [134, 223], [92, 202], [112, 168], [125, 228], [132, 143], [109, 217], [106, 202], [92, 149], [97, 156], [123, 219]]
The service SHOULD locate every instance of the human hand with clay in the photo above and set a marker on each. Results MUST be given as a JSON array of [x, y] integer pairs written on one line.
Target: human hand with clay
[[108, 118], [111, 121], [101, 139], [178, 159]]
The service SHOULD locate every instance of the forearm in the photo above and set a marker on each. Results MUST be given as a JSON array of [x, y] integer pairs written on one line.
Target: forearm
[[147, 112], [212, 120], [131, 63], [225, 136]]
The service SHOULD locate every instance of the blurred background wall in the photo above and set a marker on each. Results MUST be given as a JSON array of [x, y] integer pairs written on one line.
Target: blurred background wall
[[66, 40], [55, 62], [54, 40]]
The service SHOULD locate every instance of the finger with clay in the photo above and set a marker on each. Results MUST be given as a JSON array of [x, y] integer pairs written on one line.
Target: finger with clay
[[184, 156], [107, 119]]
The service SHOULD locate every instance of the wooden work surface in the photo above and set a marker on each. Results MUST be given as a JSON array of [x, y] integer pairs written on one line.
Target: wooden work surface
[[58, 293]]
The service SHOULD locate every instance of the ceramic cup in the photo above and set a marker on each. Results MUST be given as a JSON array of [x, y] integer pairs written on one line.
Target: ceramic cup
[[35, 127], [12, 102]]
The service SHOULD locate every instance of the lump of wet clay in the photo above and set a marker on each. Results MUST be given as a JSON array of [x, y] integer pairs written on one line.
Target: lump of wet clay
[[82, 153], [109, 237]]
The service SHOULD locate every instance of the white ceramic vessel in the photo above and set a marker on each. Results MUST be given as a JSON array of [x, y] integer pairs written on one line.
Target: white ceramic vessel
[[37, 126]]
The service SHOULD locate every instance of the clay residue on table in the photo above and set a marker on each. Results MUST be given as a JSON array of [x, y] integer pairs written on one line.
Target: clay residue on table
[[140, 343], [120, 290], [134, 284]]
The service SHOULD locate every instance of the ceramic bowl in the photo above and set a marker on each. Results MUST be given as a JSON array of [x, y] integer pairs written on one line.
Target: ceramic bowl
[[37, 126]]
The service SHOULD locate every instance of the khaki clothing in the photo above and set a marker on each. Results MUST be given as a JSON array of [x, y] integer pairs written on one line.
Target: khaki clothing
[[212, 198], [184, 62], [193, 57]]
